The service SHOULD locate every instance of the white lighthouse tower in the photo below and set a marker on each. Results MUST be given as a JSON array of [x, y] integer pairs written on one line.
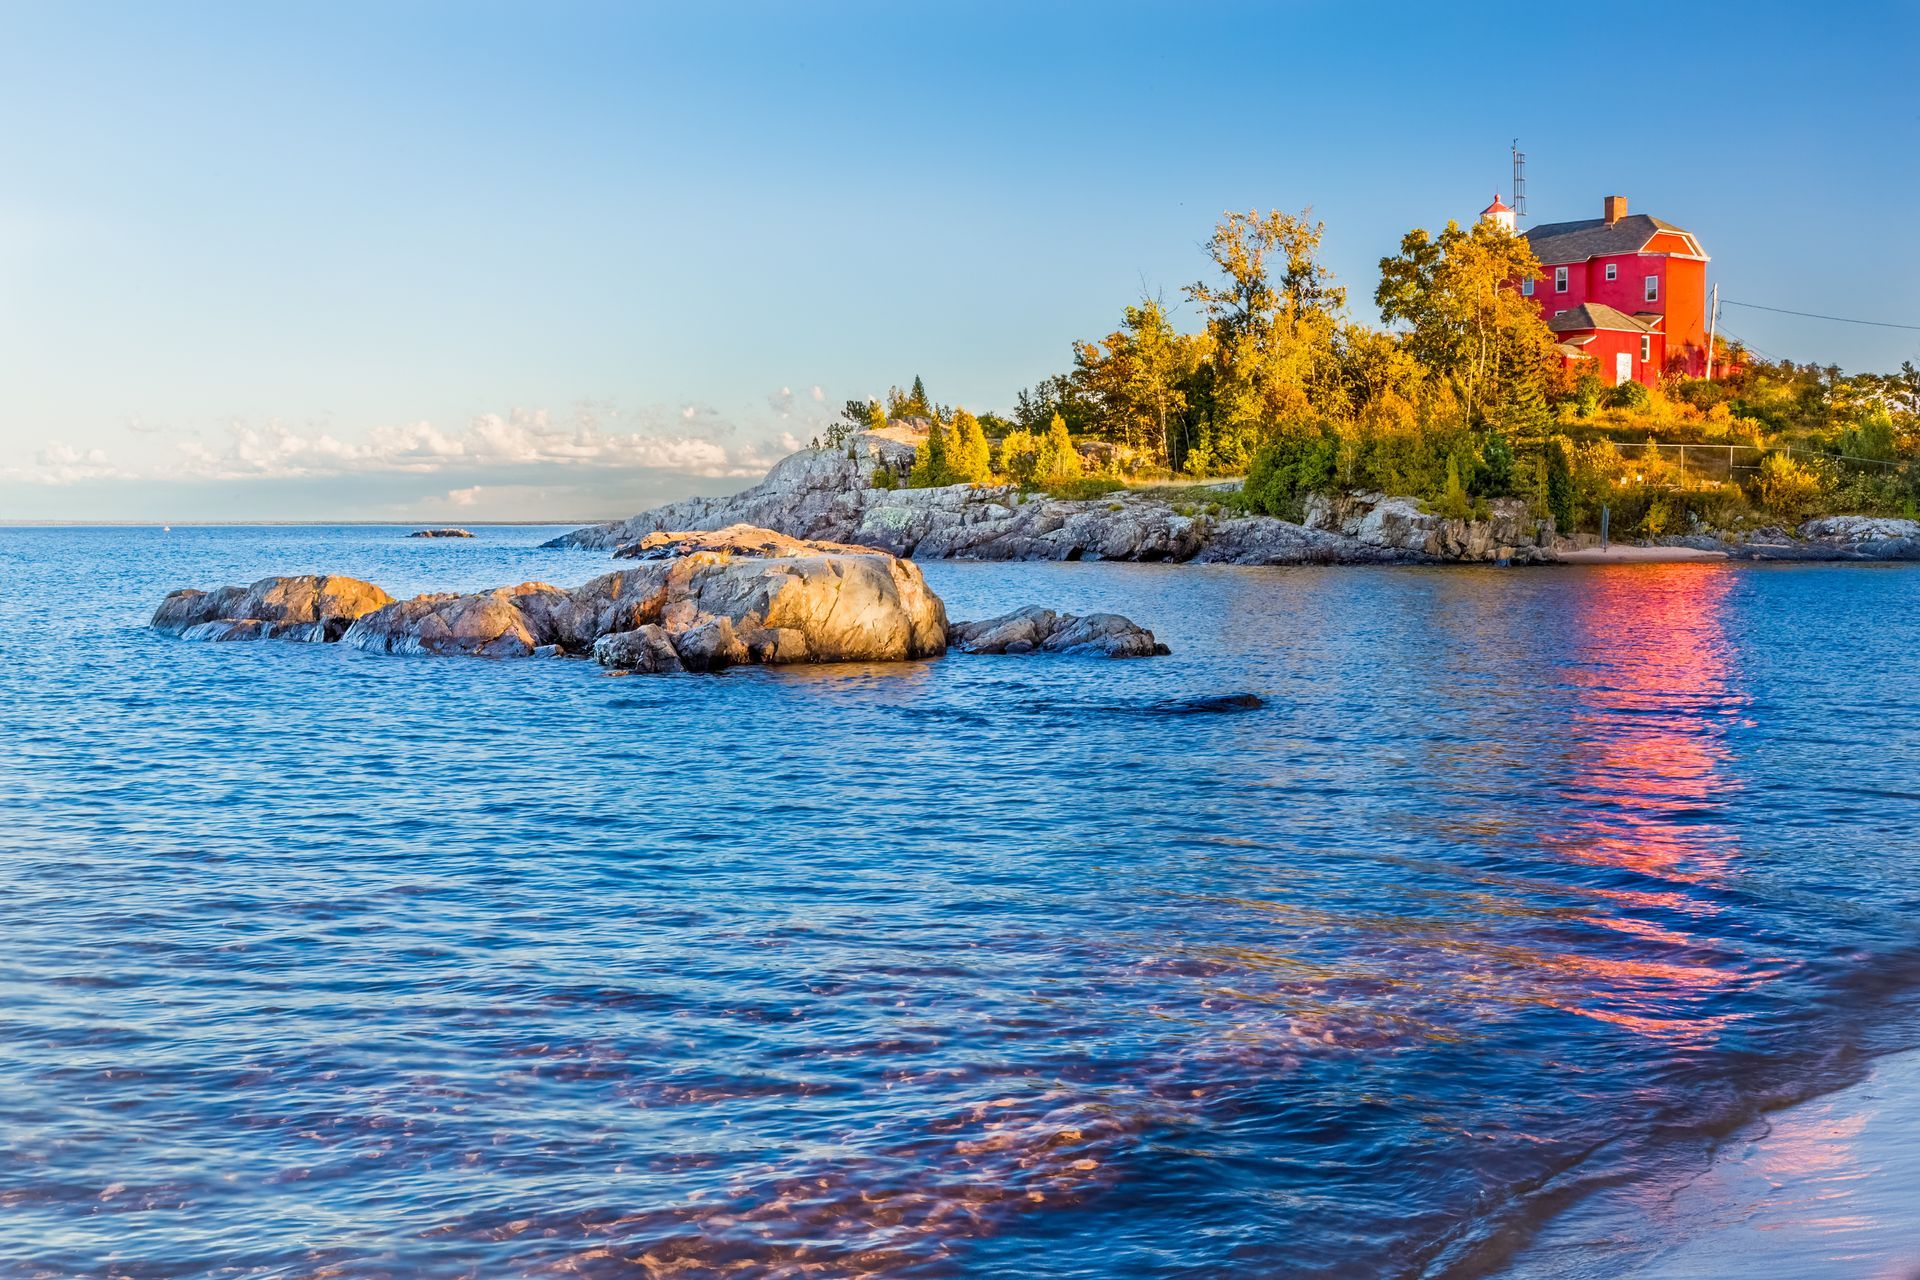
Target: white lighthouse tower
[[1498, 214]]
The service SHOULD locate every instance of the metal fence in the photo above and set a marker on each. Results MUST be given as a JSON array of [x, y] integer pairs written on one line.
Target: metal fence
[[1731, 462]]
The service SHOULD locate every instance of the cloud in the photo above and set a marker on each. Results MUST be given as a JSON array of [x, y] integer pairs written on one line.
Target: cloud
[[465, 497], [819, 394], [693, 439], [520, 439], [64, 464]]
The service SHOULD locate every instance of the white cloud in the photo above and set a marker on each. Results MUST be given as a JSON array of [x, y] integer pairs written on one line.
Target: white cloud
[[465, 497], [64, 464], [692, 440], [819, 394]]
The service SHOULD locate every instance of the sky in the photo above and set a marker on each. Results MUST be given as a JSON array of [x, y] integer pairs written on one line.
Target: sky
[[478, 261]]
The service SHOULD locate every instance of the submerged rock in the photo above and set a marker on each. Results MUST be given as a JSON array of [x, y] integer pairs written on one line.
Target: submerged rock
[[1037, 630], [695, 601], [316, 609], [440, 533]]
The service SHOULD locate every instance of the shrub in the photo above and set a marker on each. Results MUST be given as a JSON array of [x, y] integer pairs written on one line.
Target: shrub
[[1084, 488], [1020, 456], [1628, 395], [1787, 489]]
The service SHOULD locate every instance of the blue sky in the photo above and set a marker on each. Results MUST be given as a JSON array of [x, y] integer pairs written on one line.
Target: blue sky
[[491, 261]]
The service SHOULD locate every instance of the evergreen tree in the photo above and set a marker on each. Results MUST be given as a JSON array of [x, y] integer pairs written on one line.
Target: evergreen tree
[[1559, 486], [971, 459], [1059, 461], [932, 461]]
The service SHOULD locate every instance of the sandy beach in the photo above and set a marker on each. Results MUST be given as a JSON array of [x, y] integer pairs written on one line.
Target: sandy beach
[[1825, 1190]]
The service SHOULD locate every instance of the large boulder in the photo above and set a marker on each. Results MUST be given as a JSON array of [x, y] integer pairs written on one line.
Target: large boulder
[[508, 622], [1037, 630], [314, 608], [699, 601]]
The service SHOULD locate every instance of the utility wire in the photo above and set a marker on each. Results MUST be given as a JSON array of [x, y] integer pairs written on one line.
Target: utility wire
[[1814, 315]]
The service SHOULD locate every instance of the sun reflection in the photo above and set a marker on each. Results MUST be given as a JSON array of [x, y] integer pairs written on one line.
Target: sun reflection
[[1655, 694]]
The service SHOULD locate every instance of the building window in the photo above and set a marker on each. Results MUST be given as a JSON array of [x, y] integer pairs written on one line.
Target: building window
[[1526, 287], [1653, 288], [1613, 271], [1559, 279], [1562, 311], [1646, 348]]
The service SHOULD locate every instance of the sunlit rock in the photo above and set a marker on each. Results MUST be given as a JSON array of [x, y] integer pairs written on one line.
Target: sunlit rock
[[316, 609]]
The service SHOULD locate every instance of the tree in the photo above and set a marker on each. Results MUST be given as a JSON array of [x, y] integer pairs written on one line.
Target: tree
[[1058, 461], [1466, 319], [970, 458], [1020, 456], [1137, 378], [1273, 317], [931, 467]]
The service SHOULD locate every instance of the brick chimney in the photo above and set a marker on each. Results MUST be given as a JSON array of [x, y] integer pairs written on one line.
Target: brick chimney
[[1615, 209]]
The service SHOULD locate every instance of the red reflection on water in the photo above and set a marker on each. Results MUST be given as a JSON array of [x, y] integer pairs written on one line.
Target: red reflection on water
[[1654, 668], [1656, 694]]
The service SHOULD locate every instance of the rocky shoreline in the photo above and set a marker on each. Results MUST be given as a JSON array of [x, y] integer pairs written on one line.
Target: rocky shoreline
[[693, 602], [855, 495]]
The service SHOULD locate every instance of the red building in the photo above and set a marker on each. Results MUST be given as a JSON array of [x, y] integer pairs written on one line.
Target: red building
[[1627, 291]]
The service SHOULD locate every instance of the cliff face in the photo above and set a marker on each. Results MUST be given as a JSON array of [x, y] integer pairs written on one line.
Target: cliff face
[[830, 494]]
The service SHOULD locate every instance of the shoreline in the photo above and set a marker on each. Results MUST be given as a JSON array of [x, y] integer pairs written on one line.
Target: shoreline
[[857, 496], [1823, 1189]]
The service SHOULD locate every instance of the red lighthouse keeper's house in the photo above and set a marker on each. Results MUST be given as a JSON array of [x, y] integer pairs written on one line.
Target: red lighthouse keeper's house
[[1627, 291]]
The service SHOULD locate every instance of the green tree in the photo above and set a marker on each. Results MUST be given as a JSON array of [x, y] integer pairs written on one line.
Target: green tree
[[1020, 456], [1058, 461], [971, 458], [1466, 319], [1559, 485], [1273, 316], [931, 465], [1138, 378]]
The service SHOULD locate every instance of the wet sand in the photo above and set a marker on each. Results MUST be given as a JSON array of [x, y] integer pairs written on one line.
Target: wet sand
[[1826, 1190]]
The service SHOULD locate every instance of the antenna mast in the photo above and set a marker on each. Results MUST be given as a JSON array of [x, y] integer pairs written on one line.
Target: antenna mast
[[1519, 181]]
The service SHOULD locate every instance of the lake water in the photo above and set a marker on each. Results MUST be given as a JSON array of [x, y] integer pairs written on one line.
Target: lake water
[[318, 963]]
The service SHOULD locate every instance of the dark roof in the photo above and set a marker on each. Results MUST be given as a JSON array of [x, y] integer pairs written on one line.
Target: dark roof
[[1556, 242], [1597, 315]]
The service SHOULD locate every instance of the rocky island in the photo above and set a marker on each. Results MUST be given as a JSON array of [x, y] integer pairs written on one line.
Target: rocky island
[[440, 533], [856, 495], [694, 601]]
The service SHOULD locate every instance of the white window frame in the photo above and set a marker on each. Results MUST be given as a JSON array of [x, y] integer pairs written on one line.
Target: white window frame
[[1653, 288], [1526, 287], [1559, 279], [1613, 271], [1562, 311], [1646, 348]]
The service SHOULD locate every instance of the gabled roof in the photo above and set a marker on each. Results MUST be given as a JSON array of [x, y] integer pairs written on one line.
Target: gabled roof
[[1597, 315], [1560, 242]]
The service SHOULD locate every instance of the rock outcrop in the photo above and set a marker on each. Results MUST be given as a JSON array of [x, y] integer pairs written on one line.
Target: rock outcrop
[[440, 533], [1823, 538], [1037, 630], [318, 609], [853, 495], [692, 601]]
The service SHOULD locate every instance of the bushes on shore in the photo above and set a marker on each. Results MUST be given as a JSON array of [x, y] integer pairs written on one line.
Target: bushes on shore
[[1462, 401]]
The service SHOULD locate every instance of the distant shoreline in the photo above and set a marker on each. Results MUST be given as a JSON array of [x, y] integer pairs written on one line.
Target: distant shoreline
[[282, 524]]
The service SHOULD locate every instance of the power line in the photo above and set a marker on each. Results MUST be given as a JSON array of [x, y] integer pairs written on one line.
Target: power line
[[1814, 315]]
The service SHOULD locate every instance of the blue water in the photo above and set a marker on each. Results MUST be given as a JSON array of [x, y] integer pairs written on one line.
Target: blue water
[[318, 963]]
